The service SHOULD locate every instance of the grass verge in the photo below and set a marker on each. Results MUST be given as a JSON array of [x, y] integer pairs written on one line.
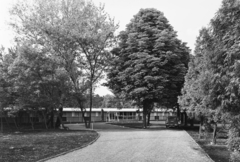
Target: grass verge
[[218, 152], [29, 146]]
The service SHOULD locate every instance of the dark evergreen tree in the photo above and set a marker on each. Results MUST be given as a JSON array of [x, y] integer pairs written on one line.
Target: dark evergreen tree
[[150, 62]]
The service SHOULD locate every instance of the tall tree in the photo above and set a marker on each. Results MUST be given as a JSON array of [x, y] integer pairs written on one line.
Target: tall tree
[[218, 73], [77, 31], [197, 94], [225, 30], [38, 80], [150, 62]]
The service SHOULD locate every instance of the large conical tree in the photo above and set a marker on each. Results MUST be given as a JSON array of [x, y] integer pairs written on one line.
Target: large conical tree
[[197, 94], [150, 62]]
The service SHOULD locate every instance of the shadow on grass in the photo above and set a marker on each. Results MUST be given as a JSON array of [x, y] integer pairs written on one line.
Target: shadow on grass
[[151, 127]]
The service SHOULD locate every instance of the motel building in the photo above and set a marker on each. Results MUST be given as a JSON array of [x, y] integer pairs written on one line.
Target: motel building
[[74, 115]]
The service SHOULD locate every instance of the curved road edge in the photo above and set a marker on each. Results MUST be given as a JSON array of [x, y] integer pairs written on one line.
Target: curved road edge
[[78, 148]]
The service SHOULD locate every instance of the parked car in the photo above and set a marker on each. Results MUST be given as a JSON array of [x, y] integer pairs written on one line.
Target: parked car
[[171, 121]]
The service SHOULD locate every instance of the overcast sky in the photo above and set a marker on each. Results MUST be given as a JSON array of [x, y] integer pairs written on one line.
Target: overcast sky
[[186, 16]]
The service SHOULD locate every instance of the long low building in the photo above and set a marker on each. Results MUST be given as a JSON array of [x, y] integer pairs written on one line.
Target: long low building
[[74, 115]]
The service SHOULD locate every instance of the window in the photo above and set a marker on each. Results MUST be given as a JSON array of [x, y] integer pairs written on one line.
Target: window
[[96, 113], [73, 114]]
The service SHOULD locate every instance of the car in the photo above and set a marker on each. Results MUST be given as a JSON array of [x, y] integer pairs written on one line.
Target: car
[[171, 121]]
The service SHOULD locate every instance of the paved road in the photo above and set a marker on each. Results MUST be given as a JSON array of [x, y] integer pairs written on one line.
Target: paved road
[[131, 145]]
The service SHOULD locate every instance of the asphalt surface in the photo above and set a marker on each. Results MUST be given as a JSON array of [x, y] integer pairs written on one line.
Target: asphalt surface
[[119, 144]]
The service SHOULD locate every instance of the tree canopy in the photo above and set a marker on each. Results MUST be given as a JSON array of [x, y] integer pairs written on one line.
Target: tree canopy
[[77, 34], [212, 82], [150, 62]]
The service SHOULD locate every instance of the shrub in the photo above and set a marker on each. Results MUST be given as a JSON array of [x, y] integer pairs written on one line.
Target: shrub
[[235, 156], [233, 140]]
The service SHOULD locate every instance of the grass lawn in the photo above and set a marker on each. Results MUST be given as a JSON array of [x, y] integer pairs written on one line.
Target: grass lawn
[[218, 152], [26, 146]]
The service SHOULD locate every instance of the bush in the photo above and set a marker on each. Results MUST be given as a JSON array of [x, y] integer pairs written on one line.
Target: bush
[[234, 140], [235, 156], [234, 144]]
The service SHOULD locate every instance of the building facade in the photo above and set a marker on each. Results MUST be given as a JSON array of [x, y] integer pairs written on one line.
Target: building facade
[[74, 115]]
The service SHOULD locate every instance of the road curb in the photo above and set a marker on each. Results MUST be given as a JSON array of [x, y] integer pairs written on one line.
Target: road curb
[[66, 152], [200, 147]]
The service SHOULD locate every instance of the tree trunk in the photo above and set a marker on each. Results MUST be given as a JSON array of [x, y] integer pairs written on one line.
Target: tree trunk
[[214, 133], [1, 122], [181, 117], [178, 112], [15, 122], [1, 113], [192, 122], [7, 121], [102, 114], [80, 103], [144, 119], [50, 121], [149, 115], [59, 117], [32, 123], [185, 119], [57, 124], [45, 119], [201, 127], [90, 106], [146, 104], [20, 114]]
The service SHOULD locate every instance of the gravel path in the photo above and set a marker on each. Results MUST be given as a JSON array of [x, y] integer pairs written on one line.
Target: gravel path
[[131, 145]]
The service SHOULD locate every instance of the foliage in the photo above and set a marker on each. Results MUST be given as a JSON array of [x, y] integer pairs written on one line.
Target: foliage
[[212, 82], [235, 156], [234, 137], [110, 101], [38, 78], [7, 93], [76, 33], [197, 94], [150, 62]]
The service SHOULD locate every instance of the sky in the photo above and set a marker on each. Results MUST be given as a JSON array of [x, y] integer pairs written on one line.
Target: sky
[[186, 16]]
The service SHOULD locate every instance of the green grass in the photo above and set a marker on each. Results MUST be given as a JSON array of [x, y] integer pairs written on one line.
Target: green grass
[[33, 145]]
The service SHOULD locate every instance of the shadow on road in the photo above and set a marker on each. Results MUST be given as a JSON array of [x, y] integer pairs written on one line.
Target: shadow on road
[[121, 127]]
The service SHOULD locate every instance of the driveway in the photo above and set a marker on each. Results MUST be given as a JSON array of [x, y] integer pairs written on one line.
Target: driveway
[[118, 144]]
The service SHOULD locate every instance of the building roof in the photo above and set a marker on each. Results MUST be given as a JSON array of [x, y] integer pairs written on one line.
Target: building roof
[[104, 109], [112, 110]]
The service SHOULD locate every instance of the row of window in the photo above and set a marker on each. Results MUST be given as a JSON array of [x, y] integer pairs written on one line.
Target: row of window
[[76, 114]]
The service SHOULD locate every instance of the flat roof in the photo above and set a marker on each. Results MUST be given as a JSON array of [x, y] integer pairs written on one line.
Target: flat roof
[[112, 110]]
